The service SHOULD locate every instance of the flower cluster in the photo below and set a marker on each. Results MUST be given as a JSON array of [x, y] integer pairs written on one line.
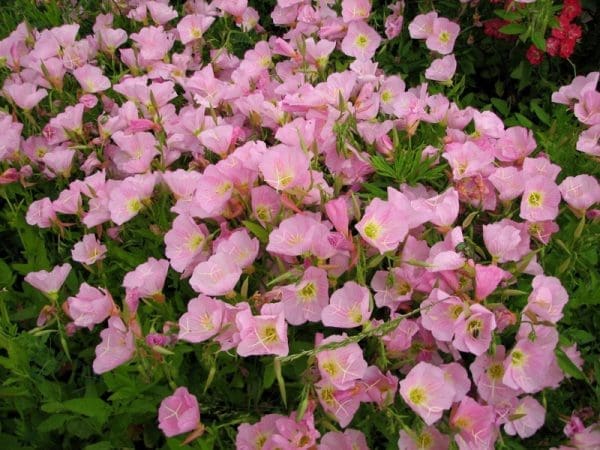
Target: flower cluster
[[262, 164], [583, 97]]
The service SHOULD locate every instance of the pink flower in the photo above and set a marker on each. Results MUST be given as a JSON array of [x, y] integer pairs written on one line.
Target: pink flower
[[589, 141], [525, 364], [579, 86], [440, 312], [148, 278], [343, 366], [442, 69], [66, 123], [355, 10], [239, 247], [441, 210], [574, 425], [26, 95], [383, 226], [457, 377], [161, 13], [41, 213], [202, 319], [428, 438], [360, 41], [185, 242], [217, 276], [473, 331], [348, 440], [90, 306], [110, 39], [117, 346], [475, 424], [49, 282], [392, 288], [284, 167], [516, 144], [540, 199], [348, 307], [443, 36], [262, 335], [91, 79], [341, 404], [305, 300], [487, 279], [252, 437], [193, 26], [487, 372], [528, 416], [380, 388], [127, 198], [88, 250], [508, 181], [425, 390], [178, 413], [547, 299], [467, 160], [587, 110], [265, 203], [136, 151], [580, 192], [506, 240], [301, 234], [153, 42], [422, 25]]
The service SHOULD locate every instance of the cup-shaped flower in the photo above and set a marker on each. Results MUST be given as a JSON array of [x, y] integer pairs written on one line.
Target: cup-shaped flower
[[426, 391], [90, 306], [202, 320], [178, 413], [348, 307], [262, 335]]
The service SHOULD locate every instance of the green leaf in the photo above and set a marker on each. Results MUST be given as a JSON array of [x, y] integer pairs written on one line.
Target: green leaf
[[567, 365], [513, 28], [501, 106], [268, 376], [524, 120], [257, 230], [6, 275], [538, 40], [54, 422], [86, 406], [104, 445], [508, 15], [540, 113]]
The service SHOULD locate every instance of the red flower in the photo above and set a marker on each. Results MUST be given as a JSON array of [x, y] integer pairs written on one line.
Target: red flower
[[571, 10], [552, 46], [491, 27], [534, 55], [566, 48]]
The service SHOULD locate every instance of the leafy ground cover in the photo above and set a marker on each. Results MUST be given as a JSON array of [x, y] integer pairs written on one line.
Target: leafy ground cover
[[299, 225]]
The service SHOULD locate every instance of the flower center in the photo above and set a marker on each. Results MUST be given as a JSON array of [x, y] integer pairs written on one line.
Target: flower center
[[269, 334], [474, 327], [307, 293], [535, 199], [361, 40], [194, 242], [496, 371], [331, 368], [444, 37], [424, 441], [417, 396], [517, 358], [372, 230]]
